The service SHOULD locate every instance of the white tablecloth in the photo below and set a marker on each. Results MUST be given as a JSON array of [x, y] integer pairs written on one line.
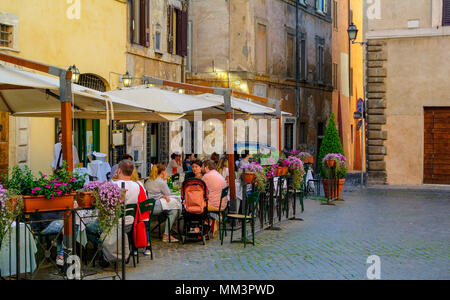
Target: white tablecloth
[[175, 202], [82, 171], [99, 169], [26, 253]]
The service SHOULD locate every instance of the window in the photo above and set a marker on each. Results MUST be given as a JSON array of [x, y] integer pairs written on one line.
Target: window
[[446, 13], [189, 48], [303, 134], [320, 60], [8, 31], [177, 28], [290, 55], [321, 6], [303, 58], [335, 76], [260, 90], [6, 35], [140, 30], [92, 81], [335, 15], [261, 49]]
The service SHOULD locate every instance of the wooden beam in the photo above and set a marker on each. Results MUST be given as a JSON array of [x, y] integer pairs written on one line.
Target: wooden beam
[[66, 120], [253, 97], [4, 87]]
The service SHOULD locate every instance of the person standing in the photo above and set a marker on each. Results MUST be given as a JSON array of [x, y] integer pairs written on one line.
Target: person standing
[[175, 163], [57, 161]]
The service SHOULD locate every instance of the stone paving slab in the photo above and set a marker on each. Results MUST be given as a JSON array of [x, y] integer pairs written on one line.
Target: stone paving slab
[[408, 230]]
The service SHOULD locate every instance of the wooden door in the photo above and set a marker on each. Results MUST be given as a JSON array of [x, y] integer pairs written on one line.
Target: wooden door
[[4, 146], [436, 166]]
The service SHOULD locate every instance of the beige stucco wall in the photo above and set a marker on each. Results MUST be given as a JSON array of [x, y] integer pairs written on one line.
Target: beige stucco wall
[[396, 14], [95, 43], [418, 73]]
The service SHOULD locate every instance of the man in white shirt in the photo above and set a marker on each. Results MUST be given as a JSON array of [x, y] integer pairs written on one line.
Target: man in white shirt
[[175, 163], [58, 155], [124, 173]]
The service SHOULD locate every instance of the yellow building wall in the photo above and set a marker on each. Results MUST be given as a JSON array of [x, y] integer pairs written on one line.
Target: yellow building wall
[[351, 140], [50, 31]]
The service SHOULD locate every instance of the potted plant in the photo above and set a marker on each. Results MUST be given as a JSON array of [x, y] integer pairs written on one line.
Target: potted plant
[[46, 193], [334, 162], [297, 171], [10, 207], [254, 172], [85, 196], [306, 157], [108, 201], [331, 144]]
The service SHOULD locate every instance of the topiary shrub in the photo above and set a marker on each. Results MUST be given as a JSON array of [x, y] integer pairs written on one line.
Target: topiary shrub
[[330, 144]]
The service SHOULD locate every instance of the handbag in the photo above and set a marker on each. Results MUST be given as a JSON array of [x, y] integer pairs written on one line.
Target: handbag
[[139, 230]]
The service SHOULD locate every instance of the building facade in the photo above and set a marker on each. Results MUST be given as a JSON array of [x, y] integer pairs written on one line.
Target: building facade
[[408, 70], [348, 79], [61, 33], [250, 46]]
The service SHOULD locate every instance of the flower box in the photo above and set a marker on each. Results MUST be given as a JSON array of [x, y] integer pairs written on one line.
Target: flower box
[[85, 199], [249, 177], [330, 163], [42, 204], [309, 160], [335, 191]]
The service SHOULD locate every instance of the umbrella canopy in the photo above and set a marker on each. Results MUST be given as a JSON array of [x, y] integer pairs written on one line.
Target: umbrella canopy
[[163, 101], [23, 93]]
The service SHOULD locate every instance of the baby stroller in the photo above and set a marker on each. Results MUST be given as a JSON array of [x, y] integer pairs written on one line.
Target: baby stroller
[[195, 209]]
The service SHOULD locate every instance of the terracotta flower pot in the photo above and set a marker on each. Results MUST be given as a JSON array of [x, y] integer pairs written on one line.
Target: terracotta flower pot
[[280, 172], [309, 160], [249, 177], [41, 203], [335, 191], [330, 163], [285, 170], [85, 199]]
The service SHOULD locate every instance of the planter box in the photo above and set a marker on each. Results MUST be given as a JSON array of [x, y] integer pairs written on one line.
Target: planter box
[[249, 177], [85, 199], [42, 204], [309, 160], [335, 192]]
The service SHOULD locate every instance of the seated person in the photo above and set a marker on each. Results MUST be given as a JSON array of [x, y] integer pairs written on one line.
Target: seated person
[[187, 164], [124, 173], [215, 184], [114, 169], [196, 170], [158, 189]]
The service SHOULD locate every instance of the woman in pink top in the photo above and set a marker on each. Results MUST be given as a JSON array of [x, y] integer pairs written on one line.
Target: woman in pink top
[[215, 184]]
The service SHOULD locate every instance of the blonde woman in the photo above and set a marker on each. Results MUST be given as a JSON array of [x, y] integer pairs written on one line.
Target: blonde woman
[[222, 168], [158, 189]]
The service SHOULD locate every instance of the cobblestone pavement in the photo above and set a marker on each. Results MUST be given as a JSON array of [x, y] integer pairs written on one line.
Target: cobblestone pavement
[[408, 230]]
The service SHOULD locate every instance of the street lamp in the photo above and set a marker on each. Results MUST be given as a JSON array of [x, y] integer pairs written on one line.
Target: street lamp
[[126, 79], [75, 73], [352, 32]]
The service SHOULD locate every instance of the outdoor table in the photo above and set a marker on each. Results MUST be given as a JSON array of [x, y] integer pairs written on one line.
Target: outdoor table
[[82, 171], [8, 251], [99, 169]]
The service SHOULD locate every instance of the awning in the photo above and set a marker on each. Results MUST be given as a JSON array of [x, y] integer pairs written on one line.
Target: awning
[[243, 105], [164, 101], [24, 93]]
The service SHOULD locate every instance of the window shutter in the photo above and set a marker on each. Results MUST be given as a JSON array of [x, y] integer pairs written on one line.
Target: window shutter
[[133, 22], [169, 29], [142, 23], [184, 33], [446, 13], [178, 31], [147, 23]]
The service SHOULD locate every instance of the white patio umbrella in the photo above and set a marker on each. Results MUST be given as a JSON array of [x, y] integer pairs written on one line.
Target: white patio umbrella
[[164, 101], [24, 93]]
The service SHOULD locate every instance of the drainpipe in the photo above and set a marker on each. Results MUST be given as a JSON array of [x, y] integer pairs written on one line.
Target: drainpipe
[[297, 68]]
